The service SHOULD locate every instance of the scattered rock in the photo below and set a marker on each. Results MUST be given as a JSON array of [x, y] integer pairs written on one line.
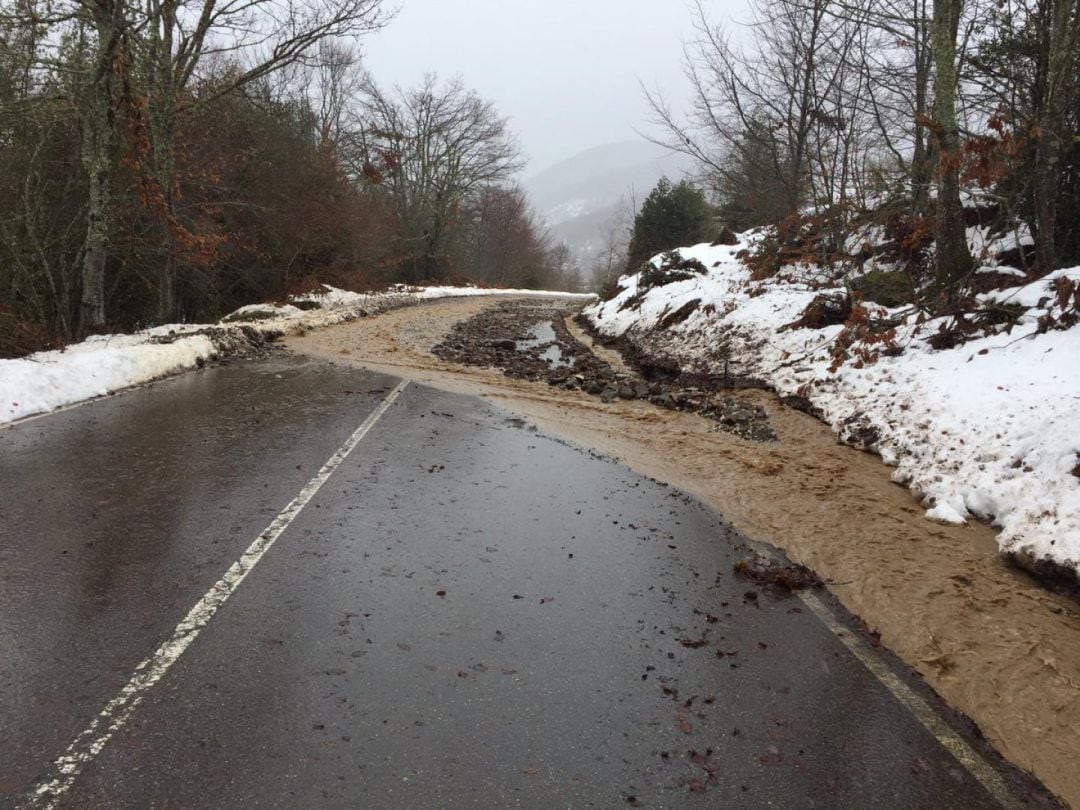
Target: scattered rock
[[565, 362], [801, 403], [859, 433], [726, 237], [775, 575]]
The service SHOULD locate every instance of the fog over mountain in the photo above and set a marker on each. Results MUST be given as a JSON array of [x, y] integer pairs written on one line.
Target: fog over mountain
[[579, 196]]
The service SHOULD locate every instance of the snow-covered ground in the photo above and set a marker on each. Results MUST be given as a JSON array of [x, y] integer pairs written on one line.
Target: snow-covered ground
[[990, 428], [105, 363]]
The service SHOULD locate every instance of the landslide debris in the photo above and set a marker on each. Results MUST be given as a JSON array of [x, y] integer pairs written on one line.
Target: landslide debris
[[530, 341]]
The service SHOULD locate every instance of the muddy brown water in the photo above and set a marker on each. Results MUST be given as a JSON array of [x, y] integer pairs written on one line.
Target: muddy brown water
[[990, 640]]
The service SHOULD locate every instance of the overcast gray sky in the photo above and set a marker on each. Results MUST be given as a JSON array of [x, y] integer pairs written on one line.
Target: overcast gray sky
[[565, 71]]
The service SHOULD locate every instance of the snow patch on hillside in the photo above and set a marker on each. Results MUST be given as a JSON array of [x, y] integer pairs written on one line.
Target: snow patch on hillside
[[103, 364], [990, 428]]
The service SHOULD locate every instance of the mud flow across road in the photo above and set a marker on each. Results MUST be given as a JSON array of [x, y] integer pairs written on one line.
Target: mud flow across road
[[991, 641], [543, 348]]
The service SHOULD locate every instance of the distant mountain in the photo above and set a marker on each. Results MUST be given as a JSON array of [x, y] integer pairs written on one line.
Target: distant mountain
[[579, 196]]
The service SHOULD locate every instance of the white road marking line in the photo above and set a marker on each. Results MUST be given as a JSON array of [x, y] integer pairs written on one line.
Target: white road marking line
[[119, 710], [972, 761]]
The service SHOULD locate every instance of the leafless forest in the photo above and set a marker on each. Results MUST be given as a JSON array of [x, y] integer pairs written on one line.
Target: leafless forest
[[173, 159], [909, 122]]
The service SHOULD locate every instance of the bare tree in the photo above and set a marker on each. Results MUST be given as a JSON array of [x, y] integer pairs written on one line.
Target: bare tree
[[430, 148], [257, 37], [895, 62], [338, 79], [783, 107], [101, 122], [504, 243], [615, 235], [154, 51], [952, 256], [39, 195], [1060, 95]]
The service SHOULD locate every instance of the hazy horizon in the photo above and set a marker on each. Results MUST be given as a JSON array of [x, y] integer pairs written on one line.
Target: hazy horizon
[[564, 72]]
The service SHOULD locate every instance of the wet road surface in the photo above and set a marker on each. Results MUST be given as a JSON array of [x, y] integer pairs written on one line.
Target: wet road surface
[[467, 614]]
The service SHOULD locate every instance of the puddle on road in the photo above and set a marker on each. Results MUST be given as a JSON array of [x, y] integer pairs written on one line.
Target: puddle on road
[[542, 335]]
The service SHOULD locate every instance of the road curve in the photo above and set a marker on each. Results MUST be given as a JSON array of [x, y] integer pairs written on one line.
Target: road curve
[[463, 613]]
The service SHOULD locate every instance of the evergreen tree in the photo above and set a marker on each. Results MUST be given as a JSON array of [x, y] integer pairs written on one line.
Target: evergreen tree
[[670, 217]]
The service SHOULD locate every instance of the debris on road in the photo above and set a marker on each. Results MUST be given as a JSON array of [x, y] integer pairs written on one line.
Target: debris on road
[[531, 341], [775, 575]]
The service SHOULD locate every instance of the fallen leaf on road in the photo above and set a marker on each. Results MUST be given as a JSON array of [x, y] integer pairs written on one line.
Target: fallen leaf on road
[[694, 643], [682, 720], [772, 756]]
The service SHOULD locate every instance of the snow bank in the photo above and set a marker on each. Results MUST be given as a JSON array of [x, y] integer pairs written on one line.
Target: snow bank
[[105, 363], [990, 428], [93, 368]]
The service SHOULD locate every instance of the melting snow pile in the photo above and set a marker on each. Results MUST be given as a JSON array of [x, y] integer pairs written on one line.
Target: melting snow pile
[[105, 363], [990, 428]]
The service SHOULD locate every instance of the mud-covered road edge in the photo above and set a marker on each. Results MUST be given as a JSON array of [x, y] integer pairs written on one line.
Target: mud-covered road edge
[[1049, 574]]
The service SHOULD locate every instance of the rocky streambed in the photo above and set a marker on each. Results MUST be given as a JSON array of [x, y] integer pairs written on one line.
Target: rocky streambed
[[531, 341]]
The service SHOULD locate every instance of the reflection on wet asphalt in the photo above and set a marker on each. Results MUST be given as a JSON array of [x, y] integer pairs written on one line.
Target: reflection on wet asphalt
[[468, 614]]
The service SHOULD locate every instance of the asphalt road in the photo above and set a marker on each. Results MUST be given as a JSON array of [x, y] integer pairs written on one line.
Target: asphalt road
[[465, 614]]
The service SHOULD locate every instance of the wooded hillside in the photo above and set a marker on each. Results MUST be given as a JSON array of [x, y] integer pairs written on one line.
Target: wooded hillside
[[172, 160]]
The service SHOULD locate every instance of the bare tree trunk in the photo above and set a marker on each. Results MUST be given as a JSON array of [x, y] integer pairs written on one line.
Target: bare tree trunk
[[953, 257], [98, 154], [921, 167], [162, 69], [1060, 94], [805, 98]]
